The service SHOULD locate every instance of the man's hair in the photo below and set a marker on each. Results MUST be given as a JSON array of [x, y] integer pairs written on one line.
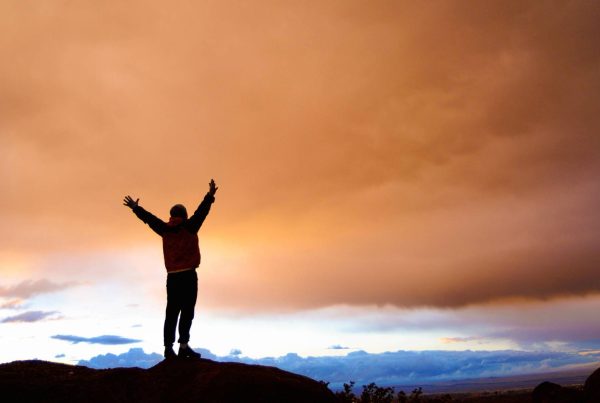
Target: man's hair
[[179, 210]]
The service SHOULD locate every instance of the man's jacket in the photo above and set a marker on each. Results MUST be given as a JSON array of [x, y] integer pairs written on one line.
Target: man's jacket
[[179, 236]]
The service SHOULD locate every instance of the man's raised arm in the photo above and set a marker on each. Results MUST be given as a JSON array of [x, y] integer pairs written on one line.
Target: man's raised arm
[[154, 222], [201, 212]]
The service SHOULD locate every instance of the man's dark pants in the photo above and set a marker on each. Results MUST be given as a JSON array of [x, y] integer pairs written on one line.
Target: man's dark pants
[[182, 290]]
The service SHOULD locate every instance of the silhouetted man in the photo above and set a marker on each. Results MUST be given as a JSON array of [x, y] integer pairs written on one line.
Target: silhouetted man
[[182, 257]]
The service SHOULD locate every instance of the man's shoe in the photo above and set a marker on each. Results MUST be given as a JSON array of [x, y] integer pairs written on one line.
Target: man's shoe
[[187, 352], [169, 353]]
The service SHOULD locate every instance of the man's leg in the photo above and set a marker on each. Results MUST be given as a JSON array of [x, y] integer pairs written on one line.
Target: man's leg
[[172, 311], [187, 315], [189, 293]]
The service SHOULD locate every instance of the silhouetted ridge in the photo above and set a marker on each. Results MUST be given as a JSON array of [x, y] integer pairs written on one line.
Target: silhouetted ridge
[[168, 381], [209, 381]]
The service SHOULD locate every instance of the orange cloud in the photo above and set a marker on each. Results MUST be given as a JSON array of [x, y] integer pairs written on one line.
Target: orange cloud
[[438, 154], [30, 288]]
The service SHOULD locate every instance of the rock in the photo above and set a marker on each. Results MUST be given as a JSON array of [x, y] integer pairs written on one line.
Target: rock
[[176, 380], [211, 381], [591, 388], [548, 392], [545, 392]]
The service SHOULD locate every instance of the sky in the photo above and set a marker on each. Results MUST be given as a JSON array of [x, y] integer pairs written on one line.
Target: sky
[[392, 175]]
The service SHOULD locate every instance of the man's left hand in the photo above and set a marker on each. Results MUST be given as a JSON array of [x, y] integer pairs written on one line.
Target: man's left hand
[[212, 187]]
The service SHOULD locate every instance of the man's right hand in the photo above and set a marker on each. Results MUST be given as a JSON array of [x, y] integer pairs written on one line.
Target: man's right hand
[[128, 201]]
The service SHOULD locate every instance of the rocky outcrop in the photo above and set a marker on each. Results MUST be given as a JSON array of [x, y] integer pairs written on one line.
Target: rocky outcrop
[[591, 388], [548, 392], [169, 381]]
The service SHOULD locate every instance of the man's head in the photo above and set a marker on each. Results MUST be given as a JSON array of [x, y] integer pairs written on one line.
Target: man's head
[[179, 210]]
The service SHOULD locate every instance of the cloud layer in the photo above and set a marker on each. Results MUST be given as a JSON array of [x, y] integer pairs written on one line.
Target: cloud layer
[[393, 368], [104, 339], [31, 288], [135, 357], [415, 155], [30, 316]]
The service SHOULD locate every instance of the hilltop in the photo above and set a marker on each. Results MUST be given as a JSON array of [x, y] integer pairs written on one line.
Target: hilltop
[[173, 380]]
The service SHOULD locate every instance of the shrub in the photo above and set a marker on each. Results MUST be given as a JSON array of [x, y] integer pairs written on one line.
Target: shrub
[[346, 395], [415, 396], [374, 394]]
